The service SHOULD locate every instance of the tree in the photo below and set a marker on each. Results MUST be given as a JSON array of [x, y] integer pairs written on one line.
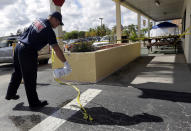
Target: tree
[[92, 32], [71, 35], [144, 31], [125, 31], [98, 31], [108, 31], [81, 34], [87, 34], [132, 28], [113, 30], [103, 30], [133, 36], [132, 32]]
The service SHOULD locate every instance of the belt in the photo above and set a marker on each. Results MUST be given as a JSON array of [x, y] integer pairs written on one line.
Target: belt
[[27, 46]]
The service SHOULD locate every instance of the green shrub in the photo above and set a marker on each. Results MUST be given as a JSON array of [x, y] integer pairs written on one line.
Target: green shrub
[[82, 47]]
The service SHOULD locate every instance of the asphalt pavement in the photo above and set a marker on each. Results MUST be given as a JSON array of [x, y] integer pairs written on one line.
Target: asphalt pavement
[[152, 93]]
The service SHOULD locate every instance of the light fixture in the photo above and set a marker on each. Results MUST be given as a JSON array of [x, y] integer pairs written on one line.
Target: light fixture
[[157, 3]]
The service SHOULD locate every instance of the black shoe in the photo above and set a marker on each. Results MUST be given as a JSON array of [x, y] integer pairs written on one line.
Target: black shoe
[[39, 105], [15, 97]]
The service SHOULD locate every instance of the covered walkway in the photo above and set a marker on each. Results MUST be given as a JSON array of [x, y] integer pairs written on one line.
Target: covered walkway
[[156, 11], [158, 71]]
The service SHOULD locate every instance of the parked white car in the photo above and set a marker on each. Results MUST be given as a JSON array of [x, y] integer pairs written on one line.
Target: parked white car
[[104, 41]]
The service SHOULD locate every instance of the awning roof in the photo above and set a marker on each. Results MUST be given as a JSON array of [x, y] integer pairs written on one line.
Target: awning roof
[[164, 25], [167, 10]]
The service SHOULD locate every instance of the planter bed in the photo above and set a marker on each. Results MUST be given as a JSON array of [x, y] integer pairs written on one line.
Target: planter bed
[[97, 65]]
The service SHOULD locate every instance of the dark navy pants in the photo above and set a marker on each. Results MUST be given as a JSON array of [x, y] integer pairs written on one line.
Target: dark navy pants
[[25, 64]]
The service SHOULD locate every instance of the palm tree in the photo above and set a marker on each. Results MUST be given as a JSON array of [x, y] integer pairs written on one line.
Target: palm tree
[[132, 31], [101, 30], [125, 31], [144, 31], [132, 28]]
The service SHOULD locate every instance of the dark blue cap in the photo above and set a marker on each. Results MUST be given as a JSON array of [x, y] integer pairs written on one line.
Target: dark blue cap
[[58, 16]]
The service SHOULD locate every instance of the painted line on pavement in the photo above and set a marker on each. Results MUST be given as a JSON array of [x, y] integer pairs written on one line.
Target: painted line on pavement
[[54, 121]]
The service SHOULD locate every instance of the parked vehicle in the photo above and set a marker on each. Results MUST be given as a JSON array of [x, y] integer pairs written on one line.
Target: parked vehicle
[[70, 43], [65, 41], [104, 41], [6, 51]]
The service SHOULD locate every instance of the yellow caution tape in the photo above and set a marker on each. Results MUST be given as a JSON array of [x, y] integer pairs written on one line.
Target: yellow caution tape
[[59, 37], [84, 112]]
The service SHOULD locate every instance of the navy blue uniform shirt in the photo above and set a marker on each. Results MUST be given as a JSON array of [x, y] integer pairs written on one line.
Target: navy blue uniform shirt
[[39, 34]]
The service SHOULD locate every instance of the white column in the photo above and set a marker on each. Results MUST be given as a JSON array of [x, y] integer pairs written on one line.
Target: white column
[[118, 21], [154, 23], [139, 24], [58, 30], [187, 49], [149, 22]]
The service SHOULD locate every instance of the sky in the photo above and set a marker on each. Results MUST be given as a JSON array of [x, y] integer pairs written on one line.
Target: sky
[[77, 14]]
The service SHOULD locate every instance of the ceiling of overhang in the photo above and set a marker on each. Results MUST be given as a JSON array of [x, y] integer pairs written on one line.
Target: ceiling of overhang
[[167, 10]]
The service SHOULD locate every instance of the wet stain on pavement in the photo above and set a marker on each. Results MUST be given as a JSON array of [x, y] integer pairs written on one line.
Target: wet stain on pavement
[[26, 122]]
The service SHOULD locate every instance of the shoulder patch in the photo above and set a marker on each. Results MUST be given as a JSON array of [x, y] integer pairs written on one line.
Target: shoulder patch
[[38, 25]]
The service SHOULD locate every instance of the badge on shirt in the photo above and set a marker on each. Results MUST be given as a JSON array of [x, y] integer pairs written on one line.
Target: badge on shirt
[[38, 25]]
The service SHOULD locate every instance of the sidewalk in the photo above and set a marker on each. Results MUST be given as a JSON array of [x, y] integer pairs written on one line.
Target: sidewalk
[[165, 72]]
